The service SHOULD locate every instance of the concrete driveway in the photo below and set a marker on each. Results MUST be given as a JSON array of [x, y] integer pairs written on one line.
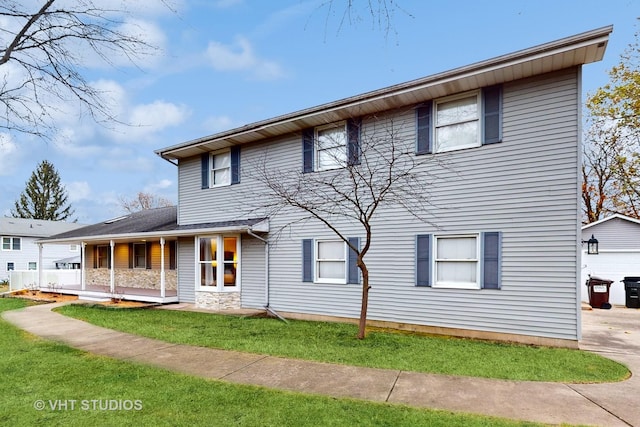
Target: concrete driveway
[[615, 334]]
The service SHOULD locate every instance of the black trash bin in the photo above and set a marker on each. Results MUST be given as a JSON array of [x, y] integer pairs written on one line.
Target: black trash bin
[[599, 292], [632, 289]]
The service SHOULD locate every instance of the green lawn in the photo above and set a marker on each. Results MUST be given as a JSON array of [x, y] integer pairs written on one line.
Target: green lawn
[[336, 343], [44, 383]]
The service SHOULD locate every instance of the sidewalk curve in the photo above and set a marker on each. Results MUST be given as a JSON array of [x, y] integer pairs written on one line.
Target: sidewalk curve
[[552, 403]]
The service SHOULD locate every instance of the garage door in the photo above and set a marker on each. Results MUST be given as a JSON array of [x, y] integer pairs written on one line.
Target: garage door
[[612, 265]]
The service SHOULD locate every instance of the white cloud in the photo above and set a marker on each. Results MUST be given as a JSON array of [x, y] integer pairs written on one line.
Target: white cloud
[[217, 124], [239, 56], [146, 120], [78, 190], [8, 150]]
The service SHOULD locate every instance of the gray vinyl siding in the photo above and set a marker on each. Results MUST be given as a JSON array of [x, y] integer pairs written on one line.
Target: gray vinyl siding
[[615, 233], [252, 273], [526, 187], [186, 270]]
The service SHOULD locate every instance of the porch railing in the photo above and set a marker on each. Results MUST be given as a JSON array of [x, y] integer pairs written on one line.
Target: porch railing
[[53, 279]]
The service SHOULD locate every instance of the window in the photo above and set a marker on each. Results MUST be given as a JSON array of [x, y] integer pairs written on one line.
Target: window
[[11, 266], [456, 262], [33, 266], [11, 243], [330, 261], [331, 146], [220, 168], [462, 121], [210, 257], [469, 261], [457, 123], [139, 255], [73, 248], [103, 257]]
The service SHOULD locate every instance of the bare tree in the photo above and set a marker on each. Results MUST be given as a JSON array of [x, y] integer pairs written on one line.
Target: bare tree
[[143, 201], [383, 172], [380, 12], [44, 53]]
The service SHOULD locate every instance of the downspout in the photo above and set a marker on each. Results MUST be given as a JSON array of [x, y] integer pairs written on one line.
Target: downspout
[[266, 275]]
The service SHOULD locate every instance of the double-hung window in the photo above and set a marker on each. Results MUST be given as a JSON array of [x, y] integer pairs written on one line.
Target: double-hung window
[[462, 261], [331, 258], [456, 262], [466, 120], [103, 257], [11, 243], [331, 146], [139, 255], [457, 122], [220, 168]]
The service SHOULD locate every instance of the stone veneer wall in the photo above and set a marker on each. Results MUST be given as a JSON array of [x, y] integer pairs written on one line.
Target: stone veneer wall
[[132, 278], [218, 300]]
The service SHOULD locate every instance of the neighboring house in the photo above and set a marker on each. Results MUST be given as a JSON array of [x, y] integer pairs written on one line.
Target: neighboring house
[[19, 250], [618, 254]]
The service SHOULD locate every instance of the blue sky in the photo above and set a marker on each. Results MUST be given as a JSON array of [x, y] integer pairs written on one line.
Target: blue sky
[[227, 63]]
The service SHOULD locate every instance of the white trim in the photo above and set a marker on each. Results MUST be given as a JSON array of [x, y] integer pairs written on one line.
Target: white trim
[[212, 168], [220, 286], [614, 216], [479, 120], [477, 260], [316, 268], [316, 145]]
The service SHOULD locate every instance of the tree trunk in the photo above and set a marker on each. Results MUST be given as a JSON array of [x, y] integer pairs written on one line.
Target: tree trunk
[[362, 325]]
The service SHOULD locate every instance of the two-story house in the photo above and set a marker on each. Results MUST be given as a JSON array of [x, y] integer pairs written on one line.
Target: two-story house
[[499, 257]]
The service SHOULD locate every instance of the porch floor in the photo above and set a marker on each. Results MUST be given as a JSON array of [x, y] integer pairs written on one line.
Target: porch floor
[[125, 293]]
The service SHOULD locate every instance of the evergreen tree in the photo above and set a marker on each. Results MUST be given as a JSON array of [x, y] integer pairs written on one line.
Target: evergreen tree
[[44, 197]]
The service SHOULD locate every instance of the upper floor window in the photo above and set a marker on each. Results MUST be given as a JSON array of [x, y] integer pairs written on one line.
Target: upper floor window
[[461, 121], [457, 123], [331, 146], [220, 168], [11, 243]]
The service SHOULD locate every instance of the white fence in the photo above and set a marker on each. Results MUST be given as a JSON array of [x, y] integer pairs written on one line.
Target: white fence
[[28, 279]]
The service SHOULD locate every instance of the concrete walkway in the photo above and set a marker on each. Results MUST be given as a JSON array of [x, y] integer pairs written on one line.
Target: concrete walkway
[[613, 333]]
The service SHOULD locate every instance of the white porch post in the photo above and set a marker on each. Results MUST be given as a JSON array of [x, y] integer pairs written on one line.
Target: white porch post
[[162, 275], [112, 245], [83, 265], [40, 265]]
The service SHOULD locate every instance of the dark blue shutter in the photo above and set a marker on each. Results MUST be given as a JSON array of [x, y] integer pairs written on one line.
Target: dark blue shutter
[[423, 129], [235, 165], [307, 150], [492, 112], [204, 169], [491, 259], [307, 260], [423, 260], [353, 141], [353, 272]]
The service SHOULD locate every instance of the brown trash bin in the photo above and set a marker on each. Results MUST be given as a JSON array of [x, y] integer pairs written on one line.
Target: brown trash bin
[[599, 292]]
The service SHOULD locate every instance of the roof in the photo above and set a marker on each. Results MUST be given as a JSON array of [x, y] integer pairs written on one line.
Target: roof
[[565, 53], [27, 227], [158, 222], [609, 218]]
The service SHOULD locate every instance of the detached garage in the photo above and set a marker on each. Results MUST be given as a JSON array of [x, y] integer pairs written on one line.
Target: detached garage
[[618, 254]]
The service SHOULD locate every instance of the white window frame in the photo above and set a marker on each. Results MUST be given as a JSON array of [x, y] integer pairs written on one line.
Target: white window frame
[[32, 264], [318, 150], [135, 264], [220, 273], [436, 261], [317, 261], [11, 241], [213, 169], [436, 126]]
